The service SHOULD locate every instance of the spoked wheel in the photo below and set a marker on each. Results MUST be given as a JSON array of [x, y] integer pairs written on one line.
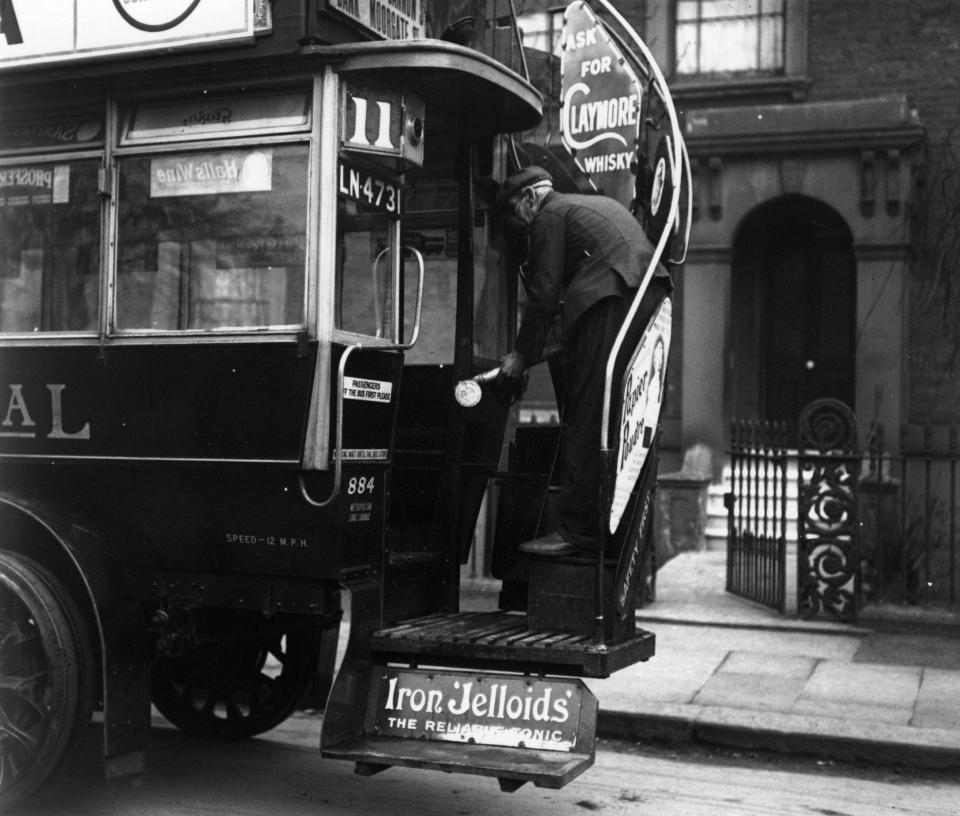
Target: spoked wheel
[[242, 679], [47, 676]]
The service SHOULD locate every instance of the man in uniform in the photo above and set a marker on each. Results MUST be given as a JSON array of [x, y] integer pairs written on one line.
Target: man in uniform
[[588, 256]]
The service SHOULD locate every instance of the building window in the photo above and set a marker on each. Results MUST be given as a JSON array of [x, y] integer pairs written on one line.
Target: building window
[[718, 37], [541, 30]]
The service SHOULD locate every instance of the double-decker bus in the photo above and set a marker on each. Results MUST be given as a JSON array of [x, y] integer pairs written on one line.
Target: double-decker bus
[[248, 250]]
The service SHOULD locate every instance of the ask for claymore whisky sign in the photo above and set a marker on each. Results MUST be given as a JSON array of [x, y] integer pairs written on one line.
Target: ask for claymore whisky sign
[[601, 95]]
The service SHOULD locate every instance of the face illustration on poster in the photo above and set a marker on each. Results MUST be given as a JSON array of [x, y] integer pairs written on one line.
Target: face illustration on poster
[[655, 388]]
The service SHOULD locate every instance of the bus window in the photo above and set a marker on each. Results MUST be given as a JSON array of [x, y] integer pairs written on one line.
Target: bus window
[[49, 247], [368, 206], [430, 226], [490, 317], [212, 239], [438, 246]]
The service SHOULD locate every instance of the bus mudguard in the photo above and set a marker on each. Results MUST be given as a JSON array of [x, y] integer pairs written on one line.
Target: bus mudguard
[[108, 595]]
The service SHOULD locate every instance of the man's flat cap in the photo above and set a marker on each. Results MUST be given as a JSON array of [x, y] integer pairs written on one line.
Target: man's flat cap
[[522, 178]]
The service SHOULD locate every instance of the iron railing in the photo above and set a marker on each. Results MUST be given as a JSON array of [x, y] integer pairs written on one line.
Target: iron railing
[[828, 531], [757, 512], [802, 484], [910, 516]]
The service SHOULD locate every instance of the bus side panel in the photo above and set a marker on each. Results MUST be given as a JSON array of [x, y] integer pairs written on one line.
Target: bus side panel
[[189, 454], [234, 401], [218, 519]]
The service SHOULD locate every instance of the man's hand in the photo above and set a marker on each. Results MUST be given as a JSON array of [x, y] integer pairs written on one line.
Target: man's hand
[[512, 365], [512, 380]]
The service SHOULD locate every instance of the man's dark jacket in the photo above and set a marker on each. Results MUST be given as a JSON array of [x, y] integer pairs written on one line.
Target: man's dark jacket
[[582, 249]]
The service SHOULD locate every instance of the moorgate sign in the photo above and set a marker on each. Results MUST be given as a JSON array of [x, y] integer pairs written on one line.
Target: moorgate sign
[[34, 32]]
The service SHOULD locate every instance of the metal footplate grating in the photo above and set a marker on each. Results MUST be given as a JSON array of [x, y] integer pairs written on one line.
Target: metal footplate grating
[[503, 641]]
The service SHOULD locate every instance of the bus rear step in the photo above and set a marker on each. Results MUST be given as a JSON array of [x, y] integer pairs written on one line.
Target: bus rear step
[[511, 766], [513, 727], [504, 641]]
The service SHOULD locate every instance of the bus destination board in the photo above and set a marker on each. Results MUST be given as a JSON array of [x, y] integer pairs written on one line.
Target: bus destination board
[[35, 32]]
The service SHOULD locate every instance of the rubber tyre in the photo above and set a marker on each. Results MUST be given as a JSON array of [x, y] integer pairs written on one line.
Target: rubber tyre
[[47, 677], [224, 690]]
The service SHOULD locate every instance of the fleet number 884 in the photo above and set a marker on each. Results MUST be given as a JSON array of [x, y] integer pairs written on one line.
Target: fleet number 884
[[359, 485]]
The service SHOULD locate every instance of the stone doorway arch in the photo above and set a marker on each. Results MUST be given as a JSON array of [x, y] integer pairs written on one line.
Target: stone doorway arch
[[793, 309]]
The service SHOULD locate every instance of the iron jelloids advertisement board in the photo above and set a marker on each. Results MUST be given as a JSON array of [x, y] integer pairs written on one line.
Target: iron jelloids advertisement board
[[34, 32], [483, 708], [600, 95]]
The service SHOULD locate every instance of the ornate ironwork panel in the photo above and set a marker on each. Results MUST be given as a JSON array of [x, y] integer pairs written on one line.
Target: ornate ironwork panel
[[757, 513], [828, 546]]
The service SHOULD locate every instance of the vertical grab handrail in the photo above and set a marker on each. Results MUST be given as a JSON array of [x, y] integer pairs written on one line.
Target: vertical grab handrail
[[688, 177], [341, 376], [377, 308]]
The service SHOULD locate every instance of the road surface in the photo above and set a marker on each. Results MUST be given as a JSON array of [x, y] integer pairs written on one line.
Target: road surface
[[281, 774]]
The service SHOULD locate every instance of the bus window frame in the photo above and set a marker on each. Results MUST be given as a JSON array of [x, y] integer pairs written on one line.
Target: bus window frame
[[116, 332], [260, 131], [327, 125], [332, 115], [394, 252], [121, 110], [93, 335], [108, 151], [28, 115]]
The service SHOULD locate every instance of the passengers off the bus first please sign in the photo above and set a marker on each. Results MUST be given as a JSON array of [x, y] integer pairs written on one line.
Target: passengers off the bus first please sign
[[34, 32]]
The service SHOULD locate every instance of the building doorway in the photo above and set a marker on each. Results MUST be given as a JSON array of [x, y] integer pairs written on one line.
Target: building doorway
[[793, 310]]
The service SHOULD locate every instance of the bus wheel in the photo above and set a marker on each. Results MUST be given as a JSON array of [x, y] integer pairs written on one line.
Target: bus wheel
[[238, 682], [47, 676]]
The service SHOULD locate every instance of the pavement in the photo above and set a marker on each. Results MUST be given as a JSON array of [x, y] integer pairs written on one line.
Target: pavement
[[731, 672]]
